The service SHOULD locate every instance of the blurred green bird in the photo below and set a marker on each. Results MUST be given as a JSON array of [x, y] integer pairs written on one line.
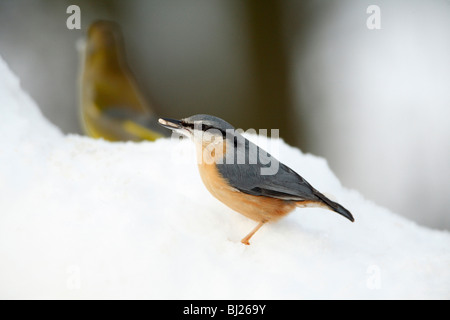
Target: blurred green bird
[[112, 107]]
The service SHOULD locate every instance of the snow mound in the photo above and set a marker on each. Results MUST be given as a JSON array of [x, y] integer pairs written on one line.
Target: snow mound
[[84, 218]]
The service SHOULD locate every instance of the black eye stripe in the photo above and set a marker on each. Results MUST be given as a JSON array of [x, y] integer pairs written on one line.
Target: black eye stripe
[[205, 127], [188, 125]]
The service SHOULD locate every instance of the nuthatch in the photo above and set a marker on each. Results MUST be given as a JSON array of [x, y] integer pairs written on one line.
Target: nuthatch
[[112, 106], [241, 175]]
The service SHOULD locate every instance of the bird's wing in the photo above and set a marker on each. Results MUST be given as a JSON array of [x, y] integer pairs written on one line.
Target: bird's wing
[[263, 175], [278, 181]]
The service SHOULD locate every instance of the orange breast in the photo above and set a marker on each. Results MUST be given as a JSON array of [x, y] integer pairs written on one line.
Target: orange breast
[[257, 208]]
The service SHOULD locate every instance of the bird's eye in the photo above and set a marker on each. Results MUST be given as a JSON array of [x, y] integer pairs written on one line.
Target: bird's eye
[[187, 124]]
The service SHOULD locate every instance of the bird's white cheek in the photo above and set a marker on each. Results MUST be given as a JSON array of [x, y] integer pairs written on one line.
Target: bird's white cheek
[[181, 133]]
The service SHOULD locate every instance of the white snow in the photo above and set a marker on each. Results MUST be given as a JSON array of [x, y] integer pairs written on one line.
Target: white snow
[[83, 218]]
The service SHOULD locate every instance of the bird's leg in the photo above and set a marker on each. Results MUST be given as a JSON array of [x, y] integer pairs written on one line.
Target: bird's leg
[[246, 239]]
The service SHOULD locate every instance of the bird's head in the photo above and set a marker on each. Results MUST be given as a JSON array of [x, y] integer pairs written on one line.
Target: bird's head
[[207, 132], [200, 126]]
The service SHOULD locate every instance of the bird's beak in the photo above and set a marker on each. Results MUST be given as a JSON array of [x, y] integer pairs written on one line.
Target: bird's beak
[[171, 124], [176, 126]]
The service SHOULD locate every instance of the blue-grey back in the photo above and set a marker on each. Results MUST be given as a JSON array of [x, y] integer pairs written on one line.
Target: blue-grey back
[[249, 169]]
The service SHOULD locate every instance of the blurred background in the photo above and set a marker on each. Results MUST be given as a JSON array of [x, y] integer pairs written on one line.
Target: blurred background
[[374, 102]]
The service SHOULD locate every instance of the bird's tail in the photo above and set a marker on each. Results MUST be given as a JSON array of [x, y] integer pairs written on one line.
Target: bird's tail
[[335, 206]]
